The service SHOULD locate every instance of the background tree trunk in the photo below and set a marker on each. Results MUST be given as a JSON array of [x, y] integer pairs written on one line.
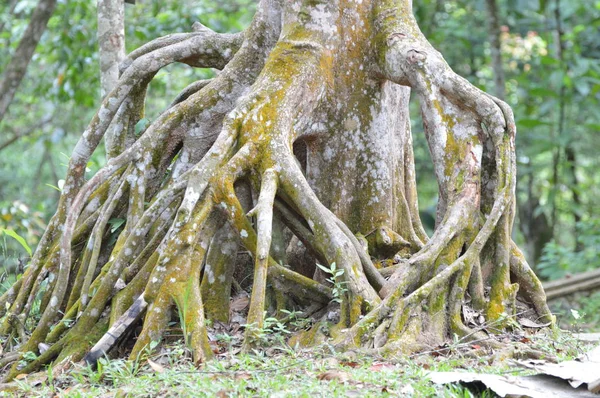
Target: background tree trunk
[[496, 48], [111, 42], [16, 69]]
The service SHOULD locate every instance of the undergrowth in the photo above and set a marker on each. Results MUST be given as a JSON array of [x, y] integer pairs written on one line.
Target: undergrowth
[[282, 371]]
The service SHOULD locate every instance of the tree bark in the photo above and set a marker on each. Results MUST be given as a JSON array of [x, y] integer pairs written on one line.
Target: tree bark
[[12, 4], [569, 152], [111, 42], [334, 76], [496, 48], [16, 69]]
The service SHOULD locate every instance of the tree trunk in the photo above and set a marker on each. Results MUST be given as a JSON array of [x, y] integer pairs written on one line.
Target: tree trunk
[[570, 154], [15, 70], [496, 48], [335, 77], [111, 43]]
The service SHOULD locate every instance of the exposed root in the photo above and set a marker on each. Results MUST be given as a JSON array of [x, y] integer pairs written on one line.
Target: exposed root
[[175, 187], [264, 213]]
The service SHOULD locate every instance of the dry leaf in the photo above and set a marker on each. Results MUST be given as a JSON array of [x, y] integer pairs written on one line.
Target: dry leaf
[[20, 376], [243, 376], [224, 393], [537, 386], [528, 323], [156, 367], [330, 362], [577, 373], [43, 347], [239, 303], [379, 366], [350, 364], [567, 379], [342, 377], [37, 379]]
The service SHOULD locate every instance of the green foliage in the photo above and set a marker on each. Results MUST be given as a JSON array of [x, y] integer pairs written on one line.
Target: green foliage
[[108, 372], [18, 238], [62, 91], [183, 303], [336, 279], [537, 83], [579, 312], [289, 373], [557, 260]]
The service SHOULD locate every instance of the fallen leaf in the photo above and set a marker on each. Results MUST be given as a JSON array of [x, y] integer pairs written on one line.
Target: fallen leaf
[[243, 376], [239, 303], [43, 347], [591, 337], [337, 375], [156, 367], [567, 379], [350, 364], [21, 376], [577, 373], [330, 362], [537, 386], [379, 366], [528, 323], [224, 393]]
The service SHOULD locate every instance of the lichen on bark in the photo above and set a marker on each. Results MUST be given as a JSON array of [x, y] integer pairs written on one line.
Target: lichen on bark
[[302, 139]]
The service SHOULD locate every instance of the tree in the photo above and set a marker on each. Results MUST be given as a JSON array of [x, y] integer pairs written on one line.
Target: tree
[[15, 70], [310, 112], [111, 40]]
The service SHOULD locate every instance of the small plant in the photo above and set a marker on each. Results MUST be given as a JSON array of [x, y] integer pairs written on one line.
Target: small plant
[[27, 357], [109, 372], [183, 302], [273, 330], [339, 286], [18, 238], [296, 319], [559, 260]]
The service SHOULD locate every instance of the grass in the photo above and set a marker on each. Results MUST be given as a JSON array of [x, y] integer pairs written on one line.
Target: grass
[[579, 312], [283, 372]]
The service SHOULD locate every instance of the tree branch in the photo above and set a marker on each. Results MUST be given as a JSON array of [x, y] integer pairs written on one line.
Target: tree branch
[[29, 131]]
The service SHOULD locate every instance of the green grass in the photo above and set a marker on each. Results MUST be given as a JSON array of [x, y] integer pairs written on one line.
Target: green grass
[[283, 372], [579, 312]]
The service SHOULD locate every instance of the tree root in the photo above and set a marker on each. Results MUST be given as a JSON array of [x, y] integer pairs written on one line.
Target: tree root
[[175, 187]]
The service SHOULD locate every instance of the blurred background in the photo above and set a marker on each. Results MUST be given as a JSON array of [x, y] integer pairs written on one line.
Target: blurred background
[[541, 56]]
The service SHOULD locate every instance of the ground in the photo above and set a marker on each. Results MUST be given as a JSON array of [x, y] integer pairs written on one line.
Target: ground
[[281, 371]]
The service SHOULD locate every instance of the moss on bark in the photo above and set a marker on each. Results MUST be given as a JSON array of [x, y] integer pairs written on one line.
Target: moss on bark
[[336, 76]]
